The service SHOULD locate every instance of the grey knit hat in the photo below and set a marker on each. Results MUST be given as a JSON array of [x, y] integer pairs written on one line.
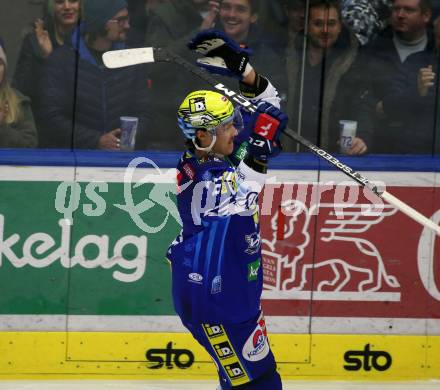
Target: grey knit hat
[[96, 13]]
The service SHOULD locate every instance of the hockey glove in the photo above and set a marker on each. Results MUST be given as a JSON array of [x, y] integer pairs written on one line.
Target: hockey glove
[[266, 124], [223, 55]]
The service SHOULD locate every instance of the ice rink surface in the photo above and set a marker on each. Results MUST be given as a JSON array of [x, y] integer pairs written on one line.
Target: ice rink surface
[[208, 385]]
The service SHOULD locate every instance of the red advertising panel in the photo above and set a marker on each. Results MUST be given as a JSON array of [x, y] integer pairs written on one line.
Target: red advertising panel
[[325, 255]]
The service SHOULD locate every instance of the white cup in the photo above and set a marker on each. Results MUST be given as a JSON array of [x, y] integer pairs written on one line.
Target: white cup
[[347, 133], [129, 125]]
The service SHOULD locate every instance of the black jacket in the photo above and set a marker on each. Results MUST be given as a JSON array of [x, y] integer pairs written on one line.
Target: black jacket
[[83, 100], [417, 114], [30, 63], [381, 63]]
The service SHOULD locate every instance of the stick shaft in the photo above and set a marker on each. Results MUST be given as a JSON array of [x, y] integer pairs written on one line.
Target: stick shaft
[[409, 211]]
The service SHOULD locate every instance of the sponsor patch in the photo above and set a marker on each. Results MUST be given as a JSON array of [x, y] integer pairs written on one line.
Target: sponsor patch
[[213, 331], [256, 347], [223, 350], [242, 152], [195, 277], [189, 171], [253, 270], [235, 371], [216, 286]]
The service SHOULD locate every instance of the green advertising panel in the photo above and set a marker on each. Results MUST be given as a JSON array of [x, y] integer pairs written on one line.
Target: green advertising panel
[[89, 248]]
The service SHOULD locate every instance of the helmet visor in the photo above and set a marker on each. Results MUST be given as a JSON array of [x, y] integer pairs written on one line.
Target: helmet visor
[[236, 119]]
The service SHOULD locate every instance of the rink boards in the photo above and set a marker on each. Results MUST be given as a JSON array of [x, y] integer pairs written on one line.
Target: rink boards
[[350, 293], [176, 356]]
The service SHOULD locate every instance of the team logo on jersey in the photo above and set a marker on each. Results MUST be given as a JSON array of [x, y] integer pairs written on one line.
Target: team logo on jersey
[[256, 347], [195, 278], [253, 270], [223, 350], [213, 331], [254, 242]]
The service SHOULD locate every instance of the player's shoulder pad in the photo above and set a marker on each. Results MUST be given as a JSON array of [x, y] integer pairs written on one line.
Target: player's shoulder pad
[[201, 169]]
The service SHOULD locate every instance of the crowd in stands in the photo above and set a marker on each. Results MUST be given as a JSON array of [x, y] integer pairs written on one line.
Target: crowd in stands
[[370, 61]]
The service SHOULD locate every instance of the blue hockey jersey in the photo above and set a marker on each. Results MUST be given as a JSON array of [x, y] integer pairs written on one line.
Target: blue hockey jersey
[[216, 259]]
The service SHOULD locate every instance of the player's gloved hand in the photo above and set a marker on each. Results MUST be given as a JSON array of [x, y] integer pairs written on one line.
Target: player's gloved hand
[[223, 55], [266, 124]]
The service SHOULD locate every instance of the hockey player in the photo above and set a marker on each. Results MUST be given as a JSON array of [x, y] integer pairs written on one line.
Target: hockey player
[[216, 259]]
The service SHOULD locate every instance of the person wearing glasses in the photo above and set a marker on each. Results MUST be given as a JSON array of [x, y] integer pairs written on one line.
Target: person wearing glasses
[[82, 100], [48, 33]]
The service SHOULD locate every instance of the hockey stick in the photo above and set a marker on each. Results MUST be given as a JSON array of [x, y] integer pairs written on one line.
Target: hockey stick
[[122, 58]]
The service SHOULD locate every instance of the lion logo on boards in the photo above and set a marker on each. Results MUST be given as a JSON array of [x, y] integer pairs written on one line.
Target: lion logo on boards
[[348, 266]]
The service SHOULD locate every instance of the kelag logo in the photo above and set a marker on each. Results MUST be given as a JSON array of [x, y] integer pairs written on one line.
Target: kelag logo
[[169, 357], [367, 359]]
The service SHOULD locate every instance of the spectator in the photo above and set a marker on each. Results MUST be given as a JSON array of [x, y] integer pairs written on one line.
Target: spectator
[[408, 33], [174, 22], [272, 18], [333, 87], [171, 24], [238, 19], [17, 128], [366, 18], [60, 18], [413, 98], [139, 11], [296, 14], [83, 100]]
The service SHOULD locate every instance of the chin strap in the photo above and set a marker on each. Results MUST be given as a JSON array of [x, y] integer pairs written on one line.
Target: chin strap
[[208, 148]]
